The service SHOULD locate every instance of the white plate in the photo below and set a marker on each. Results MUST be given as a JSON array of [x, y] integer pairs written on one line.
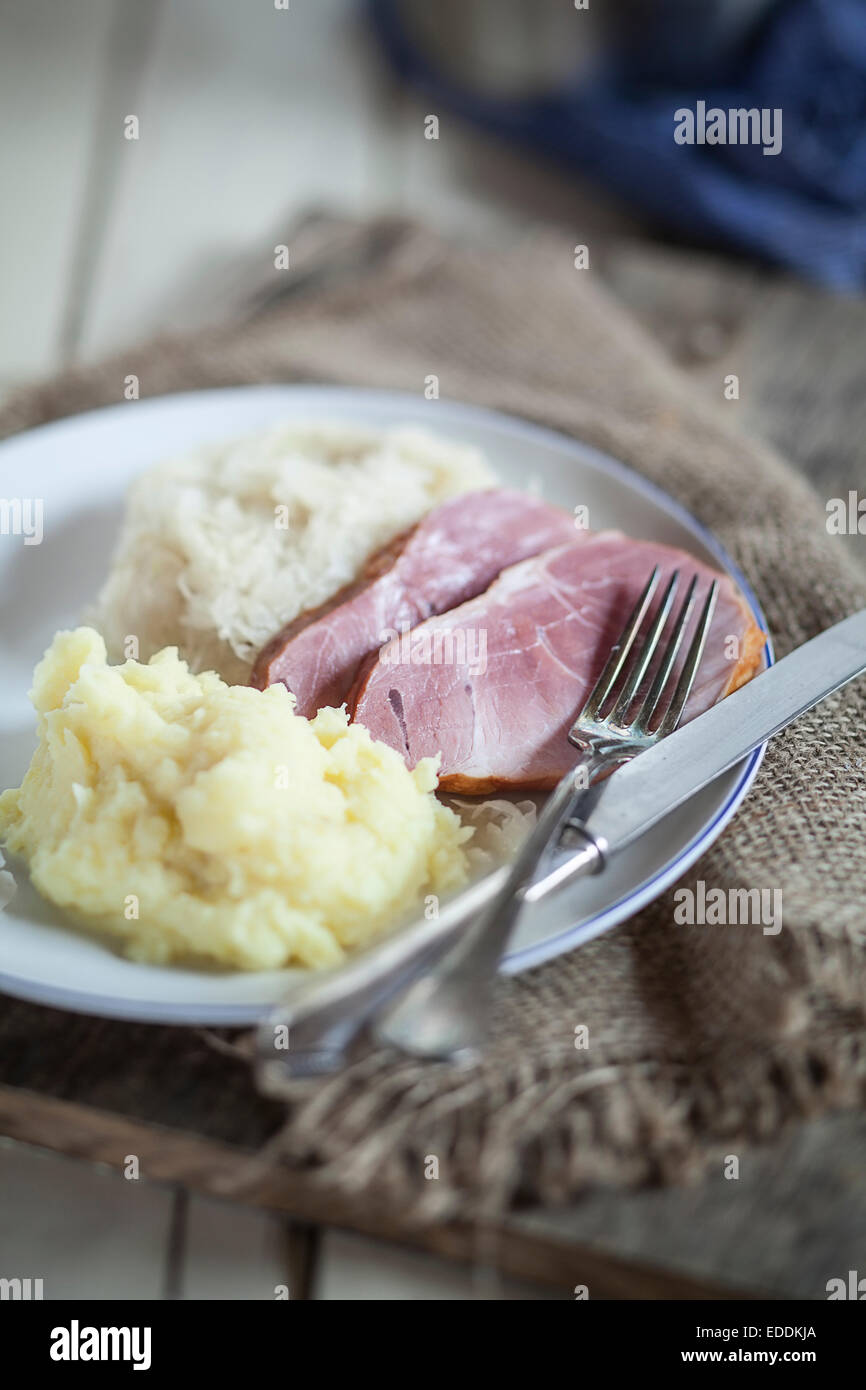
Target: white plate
[[81, 467]]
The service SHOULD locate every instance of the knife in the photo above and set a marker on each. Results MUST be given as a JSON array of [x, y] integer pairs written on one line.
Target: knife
[[325, 1012]]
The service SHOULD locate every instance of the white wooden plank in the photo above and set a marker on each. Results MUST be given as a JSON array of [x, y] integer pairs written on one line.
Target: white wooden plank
[[234, 1252], [51, 65], [353, 1268], [86, 1233], [248, 116]]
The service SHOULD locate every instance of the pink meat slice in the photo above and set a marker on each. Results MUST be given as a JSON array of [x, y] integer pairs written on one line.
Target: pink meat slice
[[452, 555], [500, 719]]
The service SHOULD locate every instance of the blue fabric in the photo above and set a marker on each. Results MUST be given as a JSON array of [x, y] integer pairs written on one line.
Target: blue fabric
[[804, 208]]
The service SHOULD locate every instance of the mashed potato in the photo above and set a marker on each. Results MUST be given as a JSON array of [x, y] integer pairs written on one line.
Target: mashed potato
[[199, 821]]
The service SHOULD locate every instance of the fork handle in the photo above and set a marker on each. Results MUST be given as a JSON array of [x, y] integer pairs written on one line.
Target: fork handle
[[445, 1013]]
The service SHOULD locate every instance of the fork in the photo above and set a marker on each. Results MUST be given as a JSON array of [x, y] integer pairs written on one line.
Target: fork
[[445, 1013]]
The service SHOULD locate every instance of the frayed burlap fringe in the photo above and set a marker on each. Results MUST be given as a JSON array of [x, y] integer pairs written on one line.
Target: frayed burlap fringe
[[701, 1039], [544, 1126]]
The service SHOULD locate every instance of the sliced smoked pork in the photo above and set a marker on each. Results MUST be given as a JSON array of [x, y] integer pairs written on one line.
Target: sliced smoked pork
[[495, 684], [452, 554]]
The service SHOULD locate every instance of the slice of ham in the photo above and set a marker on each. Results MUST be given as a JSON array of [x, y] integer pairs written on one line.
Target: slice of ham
[[548, 625], [452, 555]]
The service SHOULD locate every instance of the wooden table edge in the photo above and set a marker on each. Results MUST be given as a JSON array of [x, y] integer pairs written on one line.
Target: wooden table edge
[[215, 1169]]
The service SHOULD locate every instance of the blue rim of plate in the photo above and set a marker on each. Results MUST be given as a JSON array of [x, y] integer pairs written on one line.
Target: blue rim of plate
[[572, 935]]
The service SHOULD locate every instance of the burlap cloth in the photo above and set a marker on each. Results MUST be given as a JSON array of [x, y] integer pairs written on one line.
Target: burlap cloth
[[701, 1039]]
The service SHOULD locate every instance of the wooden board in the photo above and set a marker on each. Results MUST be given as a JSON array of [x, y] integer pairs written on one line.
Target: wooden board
[[795, 1217], [247, 117], [222, 1170]]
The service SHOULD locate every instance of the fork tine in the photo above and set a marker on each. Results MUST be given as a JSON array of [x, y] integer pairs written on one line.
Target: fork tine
[[619, 653], [666, 665], [639, 668], [690, 668]]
